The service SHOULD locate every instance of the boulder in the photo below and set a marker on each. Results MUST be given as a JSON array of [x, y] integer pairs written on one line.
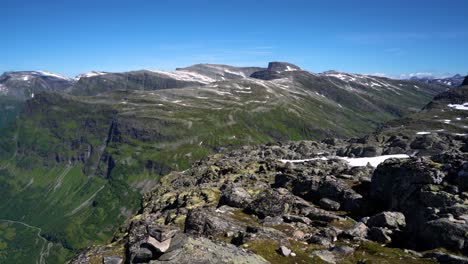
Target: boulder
[[395, 182], [162, 233], [271, 202], [392, 220], [445, 258], [445, 233], [203, 250], [112, 260], [359, 230], [208, 222], [342, 251], [329, 204], [325, 256], [235, 196], [284, 251]]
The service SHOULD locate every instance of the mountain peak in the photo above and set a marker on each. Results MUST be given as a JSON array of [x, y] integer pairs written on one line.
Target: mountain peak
[[282, 66]]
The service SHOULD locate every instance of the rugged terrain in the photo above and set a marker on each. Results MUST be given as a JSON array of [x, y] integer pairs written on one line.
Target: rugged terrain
[[395, 196], [311, 201], [76, 160]]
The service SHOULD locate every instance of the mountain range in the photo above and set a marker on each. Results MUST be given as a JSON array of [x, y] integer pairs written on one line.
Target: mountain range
[[453, 81], [77, 154]]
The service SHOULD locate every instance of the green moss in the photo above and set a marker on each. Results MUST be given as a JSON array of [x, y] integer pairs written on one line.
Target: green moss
[[375, 253], [268, 250], [248, 219], [343, 225]]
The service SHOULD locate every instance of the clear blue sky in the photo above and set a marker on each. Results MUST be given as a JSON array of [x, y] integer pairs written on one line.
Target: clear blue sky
[[362, 36]]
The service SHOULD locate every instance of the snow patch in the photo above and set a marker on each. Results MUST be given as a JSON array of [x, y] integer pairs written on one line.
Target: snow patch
[[423, 133], [90, 74], [289, 68], [50, 74], [373, 161], [356, 162], [463, 106], [186, 76]]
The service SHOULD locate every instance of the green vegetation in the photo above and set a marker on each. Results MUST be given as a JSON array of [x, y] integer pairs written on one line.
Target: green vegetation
[[19, 243], [372, 252]]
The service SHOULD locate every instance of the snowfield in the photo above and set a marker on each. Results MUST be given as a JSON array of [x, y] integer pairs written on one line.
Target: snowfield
[[50, 74], [463, 106], [186, 76], [356, 162], [90, 74]]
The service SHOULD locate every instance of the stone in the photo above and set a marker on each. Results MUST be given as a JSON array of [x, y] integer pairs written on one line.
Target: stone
[[359, 230], [143, 254], [205, 221], [160, 247], [112, 260], [387, 219], [236, 197], [343, 251], [284, 251], [296, 218], [329, 204], [325, 255], [395, 180], [445, 258], [162, 233], [298, 235], [444, 233], [271, 203]]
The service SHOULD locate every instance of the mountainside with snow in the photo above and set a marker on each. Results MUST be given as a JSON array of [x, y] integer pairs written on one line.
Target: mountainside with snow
[[78, 164], [453, 81], [25, 84]]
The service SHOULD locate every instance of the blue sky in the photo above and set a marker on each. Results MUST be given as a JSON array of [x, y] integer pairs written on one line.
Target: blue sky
[[361, 36]]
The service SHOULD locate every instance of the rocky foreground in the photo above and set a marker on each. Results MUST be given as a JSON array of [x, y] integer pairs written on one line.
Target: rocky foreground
[[304, 203]]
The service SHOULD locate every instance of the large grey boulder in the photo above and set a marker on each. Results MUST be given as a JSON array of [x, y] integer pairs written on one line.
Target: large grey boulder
[[391, 220], [395, 183], [447, 233], [236, 197], [271, 202]]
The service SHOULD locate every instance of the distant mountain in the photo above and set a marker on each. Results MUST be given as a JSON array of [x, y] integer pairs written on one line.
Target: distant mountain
[[24, 84], [196, 75], [16, 87], [453, 81]]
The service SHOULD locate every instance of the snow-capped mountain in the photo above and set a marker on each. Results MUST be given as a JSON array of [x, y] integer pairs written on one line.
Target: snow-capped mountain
[[24, 84], [453, 81]]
